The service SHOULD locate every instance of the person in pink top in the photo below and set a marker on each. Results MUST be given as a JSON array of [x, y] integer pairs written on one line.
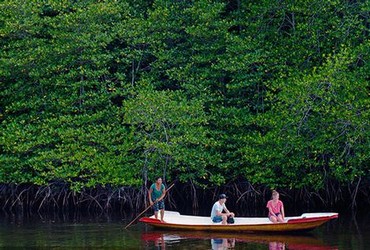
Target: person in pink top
[[276, 208]]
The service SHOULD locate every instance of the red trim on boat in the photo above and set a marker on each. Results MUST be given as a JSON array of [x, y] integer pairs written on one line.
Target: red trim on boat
[[303, 220]]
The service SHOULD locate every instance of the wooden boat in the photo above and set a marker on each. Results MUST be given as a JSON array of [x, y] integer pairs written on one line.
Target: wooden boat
[[305, 222]]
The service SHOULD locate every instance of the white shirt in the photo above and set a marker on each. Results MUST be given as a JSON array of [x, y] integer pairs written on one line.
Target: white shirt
[[217, 207]]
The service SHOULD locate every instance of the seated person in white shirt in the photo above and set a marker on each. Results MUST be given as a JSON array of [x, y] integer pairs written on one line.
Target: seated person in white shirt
[[220, 212]]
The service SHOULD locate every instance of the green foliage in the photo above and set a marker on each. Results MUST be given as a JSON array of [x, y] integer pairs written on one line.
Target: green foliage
[[170, 134], [321, 132], [117, 92]]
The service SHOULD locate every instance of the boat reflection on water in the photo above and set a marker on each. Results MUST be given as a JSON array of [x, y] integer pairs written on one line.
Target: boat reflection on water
[[230, 241], [274, 245], [222, 243]]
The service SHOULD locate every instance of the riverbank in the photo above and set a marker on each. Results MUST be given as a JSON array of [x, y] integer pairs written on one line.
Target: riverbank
[[185, 198]]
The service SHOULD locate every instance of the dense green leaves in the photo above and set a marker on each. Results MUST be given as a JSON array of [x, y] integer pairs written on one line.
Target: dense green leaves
[[116, 92]]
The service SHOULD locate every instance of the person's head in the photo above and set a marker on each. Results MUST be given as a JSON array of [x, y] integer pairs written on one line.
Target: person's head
[[222, 198], [275, 195], [158, 180]]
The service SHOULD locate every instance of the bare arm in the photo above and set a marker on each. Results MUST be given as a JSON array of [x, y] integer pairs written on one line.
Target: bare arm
[[282, 212], [226, 210], [271, 212], [163, 194], [228, 213], [218, 213], [150, 196]]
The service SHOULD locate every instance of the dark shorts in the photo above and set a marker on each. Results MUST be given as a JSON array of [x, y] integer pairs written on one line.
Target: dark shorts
[[217, 219], [158, 205], [218, 241], [277, 214]]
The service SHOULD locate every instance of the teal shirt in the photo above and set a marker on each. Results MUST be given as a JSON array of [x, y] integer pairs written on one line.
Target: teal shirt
[[156, 193]]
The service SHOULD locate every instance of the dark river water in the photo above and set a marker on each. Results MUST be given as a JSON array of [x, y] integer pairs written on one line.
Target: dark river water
[[108, 232]]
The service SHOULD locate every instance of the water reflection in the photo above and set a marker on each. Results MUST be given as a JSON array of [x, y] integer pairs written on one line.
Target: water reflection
[[275, 245], [160, 243], [223, 241]]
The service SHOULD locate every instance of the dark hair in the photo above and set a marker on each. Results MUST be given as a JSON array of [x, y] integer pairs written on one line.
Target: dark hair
[[222, 196], [156, 178]]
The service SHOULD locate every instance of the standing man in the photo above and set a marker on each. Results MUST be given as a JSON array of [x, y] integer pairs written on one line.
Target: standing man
[[217, 214], [156, 193]]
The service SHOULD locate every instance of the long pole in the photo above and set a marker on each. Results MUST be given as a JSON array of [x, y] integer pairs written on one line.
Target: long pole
[[147, 208]]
